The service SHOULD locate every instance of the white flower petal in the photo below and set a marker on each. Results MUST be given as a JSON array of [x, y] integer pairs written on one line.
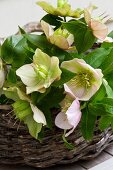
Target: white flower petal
[[74, 113], [78, 91], [42, 60], [27, 75], [38, 87], [100, 30], [2, 77], [76, 65], [87, 16], [54, 70], [61, 121], [2, 74], [59, 41], [108, 39], [48, 30], [68, 90], [70, 39], [38, 115]]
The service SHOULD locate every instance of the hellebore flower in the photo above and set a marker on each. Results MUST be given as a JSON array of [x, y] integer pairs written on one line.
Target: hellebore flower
[[2, 74], [86, 82], [63, 9], [70, 115], [61, 37], [98, 28], [40, 74], [16, 94]]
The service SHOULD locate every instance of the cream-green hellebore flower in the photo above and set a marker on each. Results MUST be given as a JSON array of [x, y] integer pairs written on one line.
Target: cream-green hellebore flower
[[61, 37], [98, 28], [40, 74], [86, 82], [2, 74], [63, 9], [16, 94], [70, 115]]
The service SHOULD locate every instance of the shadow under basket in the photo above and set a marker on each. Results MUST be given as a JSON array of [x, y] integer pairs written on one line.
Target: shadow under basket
[[18, 147]]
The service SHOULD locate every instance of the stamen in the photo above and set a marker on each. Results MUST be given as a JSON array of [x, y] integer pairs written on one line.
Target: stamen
[[82, 79], [41, 71]]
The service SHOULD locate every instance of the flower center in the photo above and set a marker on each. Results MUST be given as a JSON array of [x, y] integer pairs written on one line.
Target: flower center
[[41, 71], [62, 32], [82, 79]]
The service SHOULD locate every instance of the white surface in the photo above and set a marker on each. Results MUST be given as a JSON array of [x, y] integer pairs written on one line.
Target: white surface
[[19, 12], [107, 165]]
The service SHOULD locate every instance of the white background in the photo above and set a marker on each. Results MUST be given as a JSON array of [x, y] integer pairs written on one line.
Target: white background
[[19, 12]]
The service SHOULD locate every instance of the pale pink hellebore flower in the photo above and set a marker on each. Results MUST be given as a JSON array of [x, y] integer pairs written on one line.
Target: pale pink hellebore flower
[[98, 28], [61, 38], [86, 82], [70, 115]]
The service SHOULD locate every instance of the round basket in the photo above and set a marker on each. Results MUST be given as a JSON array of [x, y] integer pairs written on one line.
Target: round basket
[[18, 147]]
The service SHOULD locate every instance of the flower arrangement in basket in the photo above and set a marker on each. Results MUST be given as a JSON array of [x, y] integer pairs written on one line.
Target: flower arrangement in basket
[[62, 77]]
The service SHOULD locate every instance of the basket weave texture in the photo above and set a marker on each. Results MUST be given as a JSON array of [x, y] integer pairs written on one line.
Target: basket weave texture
[[18, 147]]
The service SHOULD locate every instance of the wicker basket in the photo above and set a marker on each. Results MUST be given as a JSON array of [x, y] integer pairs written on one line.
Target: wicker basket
[[18, 147]]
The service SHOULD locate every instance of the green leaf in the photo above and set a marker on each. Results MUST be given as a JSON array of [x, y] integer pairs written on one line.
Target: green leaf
[[51, 99], [107, 65], [109, 90], [11, 76], [109, 79], [49, 115], [21, 30], [100, 94], [110, 34], [107, 45], [34, 127], [87, 124], [41, 42], [15, 51], [36, 97], [112, 123], [96, 57], [83, 36], [52, 20], [104, 122], [65, 77], [104, 107], [97, 109]]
